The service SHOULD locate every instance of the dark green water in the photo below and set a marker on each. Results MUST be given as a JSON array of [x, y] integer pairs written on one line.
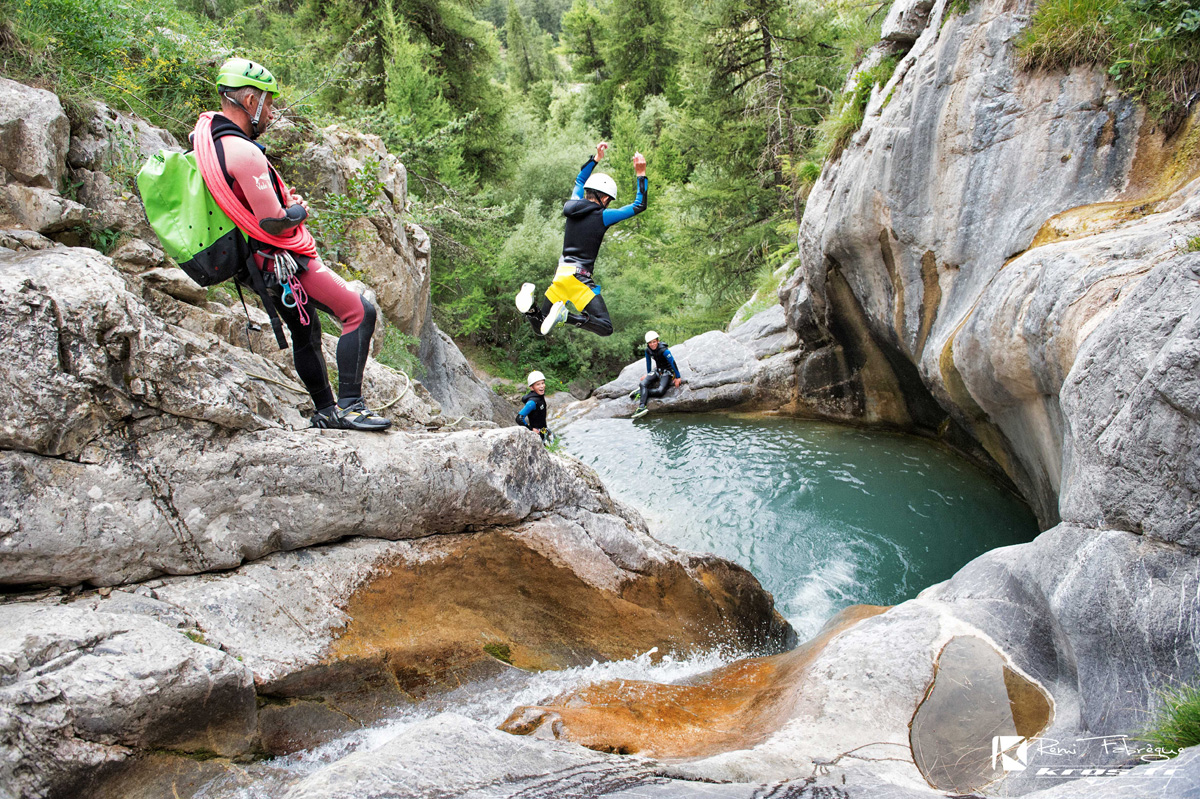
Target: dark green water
[[825, 516]]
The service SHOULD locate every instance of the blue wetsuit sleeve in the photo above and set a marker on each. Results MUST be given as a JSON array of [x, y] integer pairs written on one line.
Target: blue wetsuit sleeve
[[523, 416], [614, 215], [584, 174], [671, 360], [648, 369]]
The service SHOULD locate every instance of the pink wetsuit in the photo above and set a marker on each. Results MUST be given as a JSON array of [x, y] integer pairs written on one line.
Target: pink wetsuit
[[250, 176]]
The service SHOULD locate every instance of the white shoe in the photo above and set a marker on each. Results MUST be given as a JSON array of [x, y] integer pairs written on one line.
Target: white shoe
[[558, 313], [525, 298]]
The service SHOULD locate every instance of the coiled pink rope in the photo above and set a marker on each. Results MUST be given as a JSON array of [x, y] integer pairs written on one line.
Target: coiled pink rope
[[300, 241]]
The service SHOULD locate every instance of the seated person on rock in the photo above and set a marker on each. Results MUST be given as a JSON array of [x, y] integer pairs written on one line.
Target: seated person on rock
[[533, 406], [659, 378], [298, 282], [588, 218]]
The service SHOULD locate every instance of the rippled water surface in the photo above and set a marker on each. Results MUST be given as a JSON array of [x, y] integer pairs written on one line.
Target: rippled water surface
[[825, 516]]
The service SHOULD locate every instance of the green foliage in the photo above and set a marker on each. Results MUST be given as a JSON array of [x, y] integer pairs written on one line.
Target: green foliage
[[724, 98], [333, 213], [1193, 244], [142, 57], [1150, 47], [501, 652], [837, 130], [399, 351], [104, 239], [1177, 723]]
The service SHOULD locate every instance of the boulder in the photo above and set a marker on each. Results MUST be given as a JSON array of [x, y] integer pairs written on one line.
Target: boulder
[[453, 382], [82, 688], [753, 367], [34, 136], [906, 20]]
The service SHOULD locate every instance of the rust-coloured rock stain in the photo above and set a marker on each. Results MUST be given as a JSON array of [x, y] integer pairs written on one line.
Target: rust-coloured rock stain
[[424, 626], [730, 708]]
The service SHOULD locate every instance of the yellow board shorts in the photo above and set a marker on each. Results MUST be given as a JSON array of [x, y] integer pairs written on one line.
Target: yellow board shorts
[[568, 288]]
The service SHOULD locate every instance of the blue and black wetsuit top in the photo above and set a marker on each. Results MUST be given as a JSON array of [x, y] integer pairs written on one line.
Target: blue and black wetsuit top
[[533, 412], [587, 222], [663, 360]]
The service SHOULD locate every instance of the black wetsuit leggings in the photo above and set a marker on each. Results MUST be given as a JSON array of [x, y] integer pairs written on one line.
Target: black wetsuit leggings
[[594, 317], [654, 385], [353, 349]]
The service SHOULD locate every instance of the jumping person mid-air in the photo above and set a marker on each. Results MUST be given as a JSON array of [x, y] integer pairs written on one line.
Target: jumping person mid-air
[[588, 218], [659, 378]]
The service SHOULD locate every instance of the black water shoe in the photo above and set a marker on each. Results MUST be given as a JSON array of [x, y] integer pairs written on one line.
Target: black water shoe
[[354, 417]]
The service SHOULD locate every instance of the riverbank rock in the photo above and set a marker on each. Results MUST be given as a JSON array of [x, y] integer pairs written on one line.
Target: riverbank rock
[[301, 646], [999, 256], [752, 367], [82, 689]]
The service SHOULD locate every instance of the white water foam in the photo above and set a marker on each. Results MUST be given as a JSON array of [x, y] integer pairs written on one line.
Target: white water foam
[[488, 701], [826, 590]]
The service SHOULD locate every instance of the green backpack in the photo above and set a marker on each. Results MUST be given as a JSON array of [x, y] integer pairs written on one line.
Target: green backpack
[[191, 226], [196, 233]]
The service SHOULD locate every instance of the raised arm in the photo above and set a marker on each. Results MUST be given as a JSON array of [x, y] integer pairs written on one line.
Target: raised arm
[[586, 171], [614, 215]]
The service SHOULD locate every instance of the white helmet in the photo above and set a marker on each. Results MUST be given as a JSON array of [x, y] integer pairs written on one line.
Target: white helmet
[[598, 181], [650, 336], [534, 376]]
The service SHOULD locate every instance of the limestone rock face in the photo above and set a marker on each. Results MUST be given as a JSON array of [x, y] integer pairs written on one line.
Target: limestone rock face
[[83, 688], [105, 155], [34, 137], [921, 255]]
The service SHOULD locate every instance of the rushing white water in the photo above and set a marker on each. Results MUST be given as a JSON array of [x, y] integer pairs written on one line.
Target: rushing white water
[[488, 701]]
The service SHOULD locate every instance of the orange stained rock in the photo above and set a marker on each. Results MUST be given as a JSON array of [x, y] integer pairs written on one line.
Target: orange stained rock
[[1163, 163], [734, 707], [471, 599]]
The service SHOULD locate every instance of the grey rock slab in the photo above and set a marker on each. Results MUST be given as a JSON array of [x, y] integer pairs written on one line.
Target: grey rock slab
[[451, 755], [42, 210], [1102, 618], [83, 354], [451, 380], [183, 500], [80, 688], [766, 333], [34, 135]]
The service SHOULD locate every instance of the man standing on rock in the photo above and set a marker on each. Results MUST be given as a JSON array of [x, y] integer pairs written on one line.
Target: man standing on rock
[[588, 218], [250, 191], [659, 378]]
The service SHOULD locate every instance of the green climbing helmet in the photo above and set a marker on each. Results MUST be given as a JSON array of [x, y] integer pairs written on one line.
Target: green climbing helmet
[[238, 72]]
